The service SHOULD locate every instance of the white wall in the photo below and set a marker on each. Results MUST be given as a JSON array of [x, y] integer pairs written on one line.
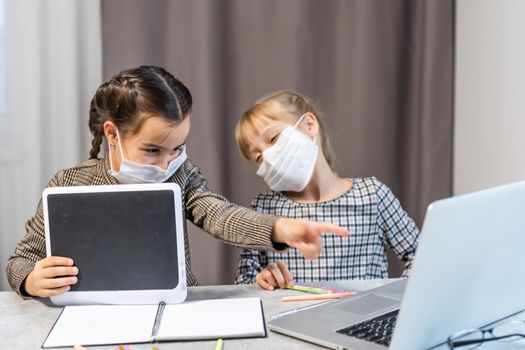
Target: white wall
[[53, 65], [489, 124]]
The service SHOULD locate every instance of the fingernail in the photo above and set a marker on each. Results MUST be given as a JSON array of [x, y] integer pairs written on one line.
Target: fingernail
[[75, 270]]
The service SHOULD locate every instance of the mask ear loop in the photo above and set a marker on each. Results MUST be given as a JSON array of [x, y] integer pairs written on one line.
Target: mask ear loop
[[119, 145], [297, 123], [120, 149]]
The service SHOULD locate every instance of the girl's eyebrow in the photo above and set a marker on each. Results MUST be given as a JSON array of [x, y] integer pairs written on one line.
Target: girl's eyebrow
[[161, 147], [151, 145]]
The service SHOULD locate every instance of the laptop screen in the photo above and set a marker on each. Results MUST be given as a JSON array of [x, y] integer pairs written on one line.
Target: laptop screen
[[119, 240]]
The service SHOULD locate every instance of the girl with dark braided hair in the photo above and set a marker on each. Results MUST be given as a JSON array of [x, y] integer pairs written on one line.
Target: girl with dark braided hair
[[144, 116]]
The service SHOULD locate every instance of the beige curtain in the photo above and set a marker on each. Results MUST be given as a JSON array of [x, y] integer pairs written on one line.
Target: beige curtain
[[380, 71]]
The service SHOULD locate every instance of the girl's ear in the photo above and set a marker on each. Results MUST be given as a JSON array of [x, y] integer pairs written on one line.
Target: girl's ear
[[312, 126], [110, 132]]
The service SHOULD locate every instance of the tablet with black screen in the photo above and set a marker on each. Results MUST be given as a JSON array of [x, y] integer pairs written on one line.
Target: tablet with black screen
[[126, 240]]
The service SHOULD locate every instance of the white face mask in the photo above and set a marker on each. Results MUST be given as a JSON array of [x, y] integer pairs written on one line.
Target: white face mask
[[288, 164], [134, 173]]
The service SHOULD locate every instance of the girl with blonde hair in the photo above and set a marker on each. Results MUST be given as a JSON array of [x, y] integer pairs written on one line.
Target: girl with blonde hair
[[285, 136]]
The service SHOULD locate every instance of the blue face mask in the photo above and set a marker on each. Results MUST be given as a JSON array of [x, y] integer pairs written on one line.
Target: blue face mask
[[134, 173]]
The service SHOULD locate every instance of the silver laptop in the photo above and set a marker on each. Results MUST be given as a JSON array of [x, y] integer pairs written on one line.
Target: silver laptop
[[467, 273]]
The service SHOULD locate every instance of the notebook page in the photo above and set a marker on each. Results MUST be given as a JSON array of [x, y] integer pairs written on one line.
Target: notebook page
[[212, 319], [102, 324]]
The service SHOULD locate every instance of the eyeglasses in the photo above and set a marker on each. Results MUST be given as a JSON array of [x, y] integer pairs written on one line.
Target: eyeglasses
[[507, 332]]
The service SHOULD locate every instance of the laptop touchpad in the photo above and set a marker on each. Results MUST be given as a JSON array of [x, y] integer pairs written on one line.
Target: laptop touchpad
[[365, 304]]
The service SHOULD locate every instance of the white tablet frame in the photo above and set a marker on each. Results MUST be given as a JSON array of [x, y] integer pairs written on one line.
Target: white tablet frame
[[175, 295]]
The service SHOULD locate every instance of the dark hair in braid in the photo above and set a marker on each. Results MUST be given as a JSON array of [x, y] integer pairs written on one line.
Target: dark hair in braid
[[132, 96]]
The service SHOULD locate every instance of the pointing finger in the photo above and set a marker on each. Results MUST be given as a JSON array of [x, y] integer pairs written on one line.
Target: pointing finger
[[325, 227]]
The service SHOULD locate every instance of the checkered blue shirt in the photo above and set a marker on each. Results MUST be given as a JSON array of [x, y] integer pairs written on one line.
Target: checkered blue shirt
[[368, 210]]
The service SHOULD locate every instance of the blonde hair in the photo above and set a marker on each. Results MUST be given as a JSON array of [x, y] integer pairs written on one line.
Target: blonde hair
[[276, 106]]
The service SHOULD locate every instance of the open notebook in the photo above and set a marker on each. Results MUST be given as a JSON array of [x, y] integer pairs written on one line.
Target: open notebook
[[127, 324]]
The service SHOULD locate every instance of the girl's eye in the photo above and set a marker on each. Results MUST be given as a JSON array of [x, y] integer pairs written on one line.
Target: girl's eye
[[258, 159], [152, 150], [178, 150], [274, 139]]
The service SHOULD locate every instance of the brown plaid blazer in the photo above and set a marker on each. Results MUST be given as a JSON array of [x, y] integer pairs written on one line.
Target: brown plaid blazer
[[228, 222]]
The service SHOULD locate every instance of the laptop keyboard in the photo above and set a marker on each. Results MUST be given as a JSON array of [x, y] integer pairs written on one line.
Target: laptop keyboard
[[378, 330]]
